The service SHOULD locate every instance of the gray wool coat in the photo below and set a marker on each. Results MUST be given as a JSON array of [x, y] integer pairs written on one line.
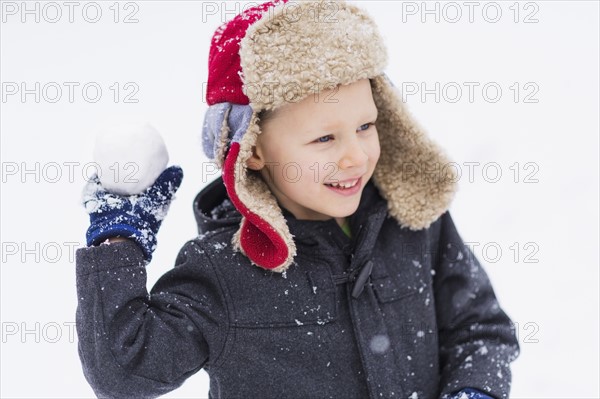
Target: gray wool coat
[[423, 323]]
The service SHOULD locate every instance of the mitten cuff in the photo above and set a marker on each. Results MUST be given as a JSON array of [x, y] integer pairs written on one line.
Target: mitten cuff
[[127, 226]]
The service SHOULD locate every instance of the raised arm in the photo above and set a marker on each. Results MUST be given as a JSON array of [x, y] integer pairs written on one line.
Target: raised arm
[[133, 343], [138, 344]]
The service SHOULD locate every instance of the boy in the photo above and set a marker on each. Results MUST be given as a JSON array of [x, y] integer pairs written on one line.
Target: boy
[[327, 264]]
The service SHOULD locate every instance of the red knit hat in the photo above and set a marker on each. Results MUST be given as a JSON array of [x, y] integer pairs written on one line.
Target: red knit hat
[[254, 59], [224, 70]]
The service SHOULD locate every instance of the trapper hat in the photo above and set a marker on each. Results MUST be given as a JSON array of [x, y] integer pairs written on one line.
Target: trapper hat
[[279, 52]]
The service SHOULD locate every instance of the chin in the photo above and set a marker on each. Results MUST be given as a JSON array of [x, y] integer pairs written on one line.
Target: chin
[[344, 213]]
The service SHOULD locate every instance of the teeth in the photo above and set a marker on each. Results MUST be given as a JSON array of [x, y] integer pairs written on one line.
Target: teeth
[[344, 185]]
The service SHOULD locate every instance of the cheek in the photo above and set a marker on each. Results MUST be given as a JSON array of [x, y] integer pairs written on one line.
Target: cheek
[[373, 149], [292, 174], [296, 164], [376, 153]]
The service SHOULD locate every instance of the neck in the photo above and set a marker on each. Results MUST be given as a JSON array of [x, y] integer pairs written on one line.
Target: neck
[[341, 221]]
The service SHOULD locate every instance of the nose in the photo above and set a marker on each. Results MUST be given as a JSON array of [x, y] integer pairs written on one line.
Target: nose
[[354, 155]]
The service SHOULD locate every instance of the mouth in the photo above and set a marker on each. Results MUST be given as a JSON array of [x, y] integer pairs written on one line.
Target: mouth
[[346, 187]]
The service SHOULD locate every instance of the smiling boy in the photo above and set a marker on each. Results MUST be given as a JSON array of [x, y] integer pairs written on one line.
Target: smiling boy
[[327, 264]]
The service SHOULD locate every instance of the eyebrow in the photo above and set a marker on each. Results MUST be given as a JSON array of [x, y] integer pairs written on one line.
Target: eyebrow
[[368, 118]]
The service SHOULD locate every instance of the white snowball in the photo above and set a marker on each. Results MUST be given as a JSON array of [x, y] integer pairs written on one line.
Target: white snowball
[[130, 158]]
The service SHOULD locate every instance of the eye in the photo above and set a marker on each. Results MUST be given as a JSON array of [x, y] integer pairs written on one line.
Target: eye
[[323, 139], [366, 126]]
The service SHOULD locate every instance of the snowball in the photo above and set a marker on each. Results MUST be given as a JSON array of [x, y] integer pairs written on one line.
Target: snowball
[[130, 158]]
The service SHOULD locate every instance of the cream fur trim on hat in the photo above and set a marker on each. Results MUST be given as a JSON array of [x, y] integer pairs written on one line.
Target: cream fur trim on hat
[[412, 173], [256, 195], [300, 48]]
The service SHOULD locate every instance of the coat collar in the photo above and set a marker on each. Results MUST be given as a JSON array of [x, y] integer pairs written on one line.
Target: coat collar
[[327, 235], [213, 211]]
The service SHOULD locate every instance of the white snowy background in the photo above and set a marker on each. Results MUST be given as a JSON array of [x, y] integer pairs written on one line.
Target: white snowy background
[[542, 213]]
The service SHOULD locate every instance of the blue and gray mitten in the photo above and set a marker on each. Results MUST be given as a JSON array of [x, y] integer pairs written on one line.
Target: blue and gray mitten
[[136, 216], [468, 393]]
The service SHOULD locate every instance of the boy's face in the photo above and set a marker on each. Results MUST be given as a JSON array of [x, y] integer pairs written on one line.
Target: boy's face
[[323, 139]]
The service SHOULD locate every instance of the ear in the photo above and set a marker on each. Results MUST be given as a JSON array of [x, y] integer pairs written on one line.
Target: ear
[[256, 160]]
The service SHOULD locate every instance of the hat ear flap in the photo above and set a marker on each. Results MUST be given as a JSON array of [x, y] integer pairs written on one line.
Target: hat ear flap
[[412, 173], [264, 236], [215, 132]]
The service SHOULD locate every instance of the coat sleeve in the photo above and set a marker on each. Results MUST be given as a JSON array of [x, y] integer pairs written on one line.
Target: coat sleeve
[[477, 339], [138, 344]]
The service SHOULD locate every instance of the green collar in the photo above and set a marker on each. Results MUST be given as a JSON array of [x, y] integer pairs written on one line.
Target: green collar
[[346, 228]]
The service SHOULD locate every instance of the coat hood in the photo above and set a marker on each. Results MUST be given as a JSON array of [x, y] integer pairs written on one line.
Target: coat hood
[[213, 210]]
